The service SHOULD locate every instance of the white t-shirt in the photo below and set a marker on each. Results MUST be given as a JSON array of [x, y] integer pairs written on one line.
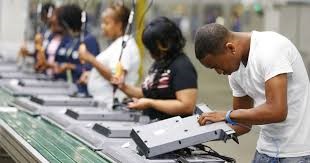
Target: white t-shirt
[[51, 51], [98, 86], [272, 54]]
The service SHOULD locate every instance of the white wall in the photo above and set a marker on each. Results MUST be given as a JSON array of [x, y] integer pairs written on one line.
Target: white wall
[[291, 20], [13, 14]]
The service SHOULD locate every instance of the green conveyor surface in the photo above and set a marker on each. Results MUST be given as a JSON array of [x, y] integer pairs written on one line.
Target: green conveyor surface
[[5, 98], [50, 141]]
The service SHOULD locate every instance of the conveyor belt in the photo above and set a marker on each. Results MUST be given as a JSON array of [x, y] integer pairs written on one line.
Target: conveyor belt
[[51, 142], [5, 98]]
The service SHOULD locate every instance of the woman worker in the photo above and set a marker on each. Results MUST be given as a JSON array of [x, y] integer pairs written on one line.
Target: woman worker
[[114, 22], [170, 88]]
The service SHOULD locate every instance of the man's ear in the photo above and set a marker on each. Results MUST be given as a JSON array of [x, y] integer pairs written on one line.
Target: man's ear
[[230, 46]]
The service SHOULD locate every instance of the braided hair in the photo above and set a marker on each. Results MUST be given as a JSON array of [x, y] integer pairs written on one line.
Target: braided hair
[[165, 42]]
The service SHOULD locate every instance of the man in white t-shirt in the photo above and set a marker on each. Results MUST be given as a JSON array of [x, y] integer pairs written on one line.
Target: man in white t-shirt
[[270, 88]]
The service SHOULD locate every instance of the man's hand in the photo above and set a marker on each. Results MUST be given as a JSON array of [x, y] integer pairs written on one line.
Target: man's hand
[[84, 54], [140, 104], [211, 117]]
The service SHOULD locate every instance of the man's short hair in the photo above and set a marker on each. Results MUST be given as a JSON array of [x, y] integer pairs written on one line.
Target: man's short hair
[[210, 39]]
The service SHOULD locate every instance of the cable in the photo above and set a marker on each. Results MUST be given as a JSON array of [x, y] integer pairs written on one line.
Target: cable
[[39, 10], [119, 70], [142, 17], [181, 159], [128, 28], [128, 31], [130, 24], [212, 152], [83, 20]]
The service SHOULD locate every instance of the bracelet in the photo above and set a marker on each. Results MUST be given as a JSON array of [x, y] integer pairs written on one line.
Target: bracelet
[[227, 118]]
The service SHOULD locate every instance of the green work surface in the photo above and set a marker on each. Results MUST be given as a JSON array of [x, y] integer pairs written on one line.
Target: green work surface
[[53, 143], [5, 98], [50, 141]]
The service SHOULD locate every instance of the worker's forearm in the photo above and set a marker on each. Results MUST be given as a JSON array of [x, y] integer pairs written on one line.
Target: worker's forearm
[[132, 91], [172, 107], [263, 114], [241, 129], [104, 71]]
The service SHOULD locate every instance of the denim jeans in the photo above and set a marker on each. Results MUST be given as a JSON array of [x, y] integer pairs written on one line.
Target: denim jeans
[[262, 158]]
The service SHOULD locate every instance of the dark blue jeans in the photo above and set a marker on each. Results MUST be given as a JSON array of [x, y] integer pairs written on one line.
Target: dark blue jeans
[[262, 158]]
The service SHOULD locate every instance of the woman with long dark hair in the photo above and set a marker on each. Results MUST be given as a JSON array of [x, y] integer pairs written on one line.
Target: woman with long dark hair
[[171, 85]]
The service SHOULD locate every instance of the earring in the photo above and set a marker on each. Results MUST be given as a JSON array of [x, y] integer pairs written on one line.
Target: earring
[[161, 47]]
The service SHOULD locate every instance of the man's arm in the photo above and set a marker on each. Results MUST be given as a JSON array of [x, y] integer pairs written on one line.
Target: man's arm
[[131, 91], [184, 103], [245, 102], [273, 110]]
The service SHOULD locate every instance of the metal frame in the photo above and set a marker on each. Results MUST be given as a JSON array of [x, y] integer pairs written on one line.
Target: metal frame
[[17, 147], [93, 139], [24, 104], [60, 120], [202, 108], [127, 153], [17, 90], [63, 100], [104, 115], [43, 83], [21, 75], [8, 68], [177, 133]]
